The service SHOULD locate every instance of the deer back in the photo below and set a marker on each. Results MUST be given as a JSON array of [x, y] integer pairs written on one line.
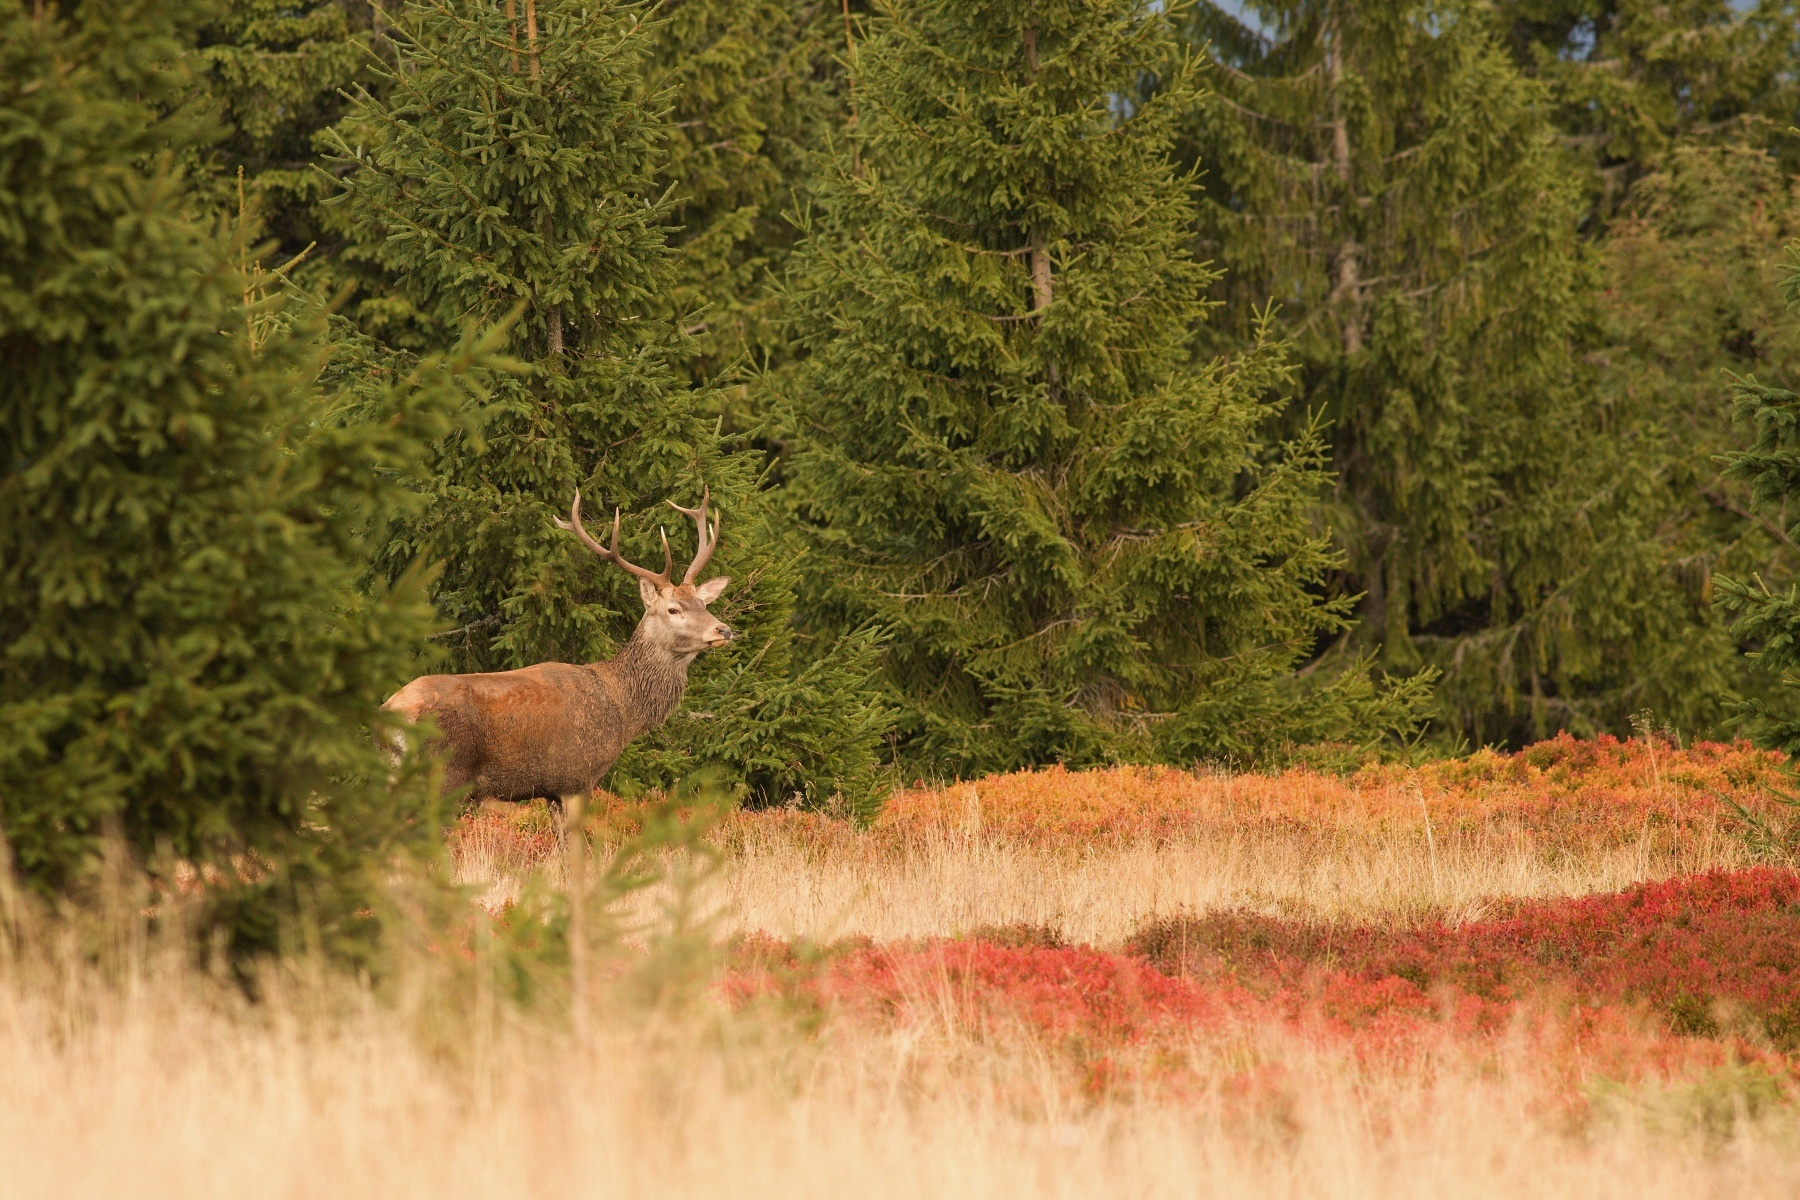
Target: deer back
[[547, 730]]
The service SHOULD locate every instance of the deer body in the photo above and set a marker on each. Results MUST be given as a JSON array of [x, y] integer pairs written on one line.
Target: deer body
[[555, 729]]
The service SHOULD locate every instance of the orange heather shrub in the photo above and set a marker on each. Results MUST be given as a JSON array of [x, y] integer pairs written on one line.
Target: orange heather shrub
[[1585, 791], [1578, 794]]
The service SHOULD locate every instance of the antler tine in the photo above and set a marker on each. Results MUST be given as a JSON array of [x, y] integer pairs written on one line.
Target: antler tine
[[703, 552], [574, 525]]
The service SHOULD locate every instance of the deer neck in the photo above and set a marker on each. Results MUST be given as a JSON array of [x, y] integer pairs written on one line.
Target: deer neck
[[651, 678]]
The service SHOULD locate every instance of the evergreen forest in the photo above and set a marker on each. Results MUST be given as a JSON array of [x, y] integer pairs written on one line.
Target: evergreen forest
[[1235, 382]]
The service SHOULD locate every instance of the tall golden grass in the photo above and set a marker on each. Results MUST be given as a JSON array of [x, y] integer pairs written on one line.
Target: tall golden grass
[[167, 1087], [129, 1071], [950, 882], [1092, 855]]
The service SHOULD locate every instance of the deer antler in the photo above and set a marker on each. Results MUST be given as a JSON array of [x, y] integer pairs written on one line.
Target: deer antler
[[573, 525], [704, 552]]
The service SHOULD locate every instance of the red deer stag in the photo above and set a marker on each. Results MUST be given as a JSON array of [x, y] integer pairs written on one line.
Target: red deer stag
[[554, 729]]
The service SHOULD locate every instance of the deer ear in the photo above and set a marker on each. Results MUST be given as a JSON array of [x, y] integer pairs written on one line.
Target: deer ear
[[649, 593], [712, 589]]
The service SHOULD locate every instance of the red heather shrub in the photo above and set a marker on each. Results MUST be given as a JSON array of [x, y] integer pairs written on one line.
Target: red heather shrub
[[1578, 791], [1706, 953], [1076, 997], [1663, 980], [512, 840], [1116, 1020]]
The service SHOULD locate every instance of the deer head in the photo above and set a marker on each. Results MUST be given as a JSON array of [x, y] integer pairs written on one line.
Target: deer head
[[675, 617]]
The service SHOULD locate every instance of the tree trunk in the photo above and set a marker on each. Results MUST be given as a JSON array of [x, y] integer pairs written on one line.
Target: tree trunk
[[1348, 289], [1042, 290]]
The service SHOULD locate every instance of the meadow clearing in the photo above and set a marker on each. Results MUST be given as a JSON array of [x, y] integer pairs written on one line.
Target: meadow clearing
[[1563, 972]]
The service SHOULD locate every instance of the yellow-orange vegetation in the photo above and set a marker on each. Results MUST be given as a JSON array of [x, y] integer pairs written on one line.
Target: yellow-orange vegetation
[[958, 1049], [1577, 792], [1094, 854]]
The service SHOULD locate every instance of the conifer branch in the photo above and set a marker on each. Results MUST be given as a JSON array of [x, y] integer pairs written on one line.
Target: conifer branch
[[1768, 526]]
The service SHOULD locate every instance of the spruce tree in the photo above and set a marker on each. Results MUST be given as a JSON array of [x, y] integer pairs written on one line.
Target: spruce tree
[[275, 73], [1679, 113], [508, 172], [1387, 176], [1083, 546], [1768, 610], [1688, 260], [1632, 80], [754, 91], [188, 663]]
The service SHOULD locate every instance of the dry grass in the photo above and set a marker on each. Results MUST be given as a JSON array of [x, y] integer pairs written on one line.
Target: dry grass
[[161, 1082], [947, 882], [1093, 855], [169, 1091]]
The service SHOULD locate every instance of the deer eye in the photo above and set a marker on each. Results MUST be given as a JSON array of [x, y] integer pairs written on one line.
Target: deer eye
[[674, 611]]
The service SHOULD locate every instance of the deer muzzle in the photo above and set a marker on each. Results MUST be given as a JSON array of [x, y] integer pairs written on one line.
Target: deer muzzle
[[721, 633]]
